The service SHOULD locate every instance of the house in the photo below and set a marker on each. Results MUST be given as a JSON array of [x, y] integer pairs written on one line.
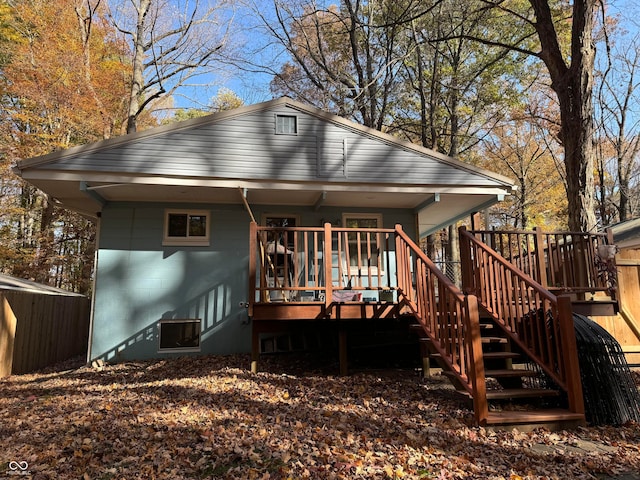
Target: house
[[173, 246], [217, 231]]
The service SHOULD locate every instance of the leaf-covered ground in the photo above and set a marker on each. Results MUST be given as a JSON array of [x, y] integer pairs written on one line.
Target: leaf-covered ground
[[209, 417]]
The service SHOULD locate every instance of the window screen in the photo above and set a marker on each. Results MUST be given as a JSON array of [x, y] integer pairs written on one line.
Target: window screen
[[286, 124]]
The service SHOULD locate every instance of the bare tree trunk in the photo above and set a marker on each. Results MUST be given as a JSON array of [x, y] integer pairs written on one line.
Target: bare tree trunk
[[573, 86], [137, 83]]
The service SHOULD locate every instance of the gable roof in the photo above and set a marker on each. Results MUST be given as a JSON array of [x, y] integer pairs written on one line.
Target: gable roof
[[328, 161]]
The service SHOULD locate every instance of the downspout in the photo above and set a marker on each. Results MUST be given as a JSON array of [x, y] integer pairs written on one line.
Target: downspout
[[243, 195]]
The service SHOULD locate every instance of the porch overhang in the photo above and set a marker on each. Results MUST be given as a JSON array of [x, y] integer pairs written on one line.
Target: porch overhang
[[435, 205]]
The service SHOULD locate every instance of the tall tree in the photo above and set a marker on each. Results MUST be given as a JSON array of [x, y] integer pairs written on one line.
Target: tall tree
[[618, 107], [570, 67], [345, 59], [172, 43], [55, 75], [516, 148], [455, 89]]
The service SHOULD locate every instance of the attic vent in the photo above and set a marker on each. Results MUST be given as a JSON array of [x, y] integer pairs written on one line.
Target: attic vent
[[286, 125]]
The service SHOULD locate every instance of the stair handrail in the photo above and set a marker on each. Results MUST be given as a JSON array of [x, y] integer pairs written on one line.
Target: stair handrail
[[540, 323], [448, 317]]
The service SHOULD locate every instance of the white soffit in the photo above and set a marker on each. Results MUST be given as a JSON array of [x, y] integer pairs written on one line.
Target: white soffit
[[451, 208]]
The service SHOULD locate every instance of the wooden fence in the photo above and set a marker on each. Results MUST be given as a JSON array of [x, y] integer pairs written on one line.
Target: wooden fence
[[37, 330], [625, 326]]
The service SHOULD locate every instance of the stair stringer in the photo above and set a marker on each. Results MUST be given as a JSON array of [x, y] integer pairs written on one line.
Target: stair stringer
[[449, 319], [515, 300]]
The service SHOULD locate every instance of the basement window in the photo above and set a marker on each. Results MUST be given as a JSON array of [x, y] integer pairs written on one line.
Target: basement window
[[286, 125], [179, 335], [186, 227]]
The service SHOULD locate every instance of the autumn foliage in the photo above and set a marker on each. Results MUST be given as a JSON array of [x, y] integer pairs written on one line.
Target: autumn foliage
[[64, 76]]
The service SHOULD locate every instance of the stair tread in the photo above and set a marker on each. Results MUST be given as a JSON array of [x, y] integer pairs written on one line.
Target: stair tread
[[532, 416], [510, 372], [486, 355], [520, 393], [509, 393], [493, 355], [494, 340], [507, 372]]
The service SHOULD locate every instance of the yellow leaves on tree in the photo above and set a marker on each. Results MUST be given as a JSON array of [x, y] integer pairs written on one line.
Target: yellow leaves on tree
[[58, 95], [516, 149]]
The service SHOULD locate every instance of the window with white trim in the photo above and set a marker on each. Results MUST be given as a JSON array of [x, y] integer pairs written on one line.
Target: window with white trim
[[286, 125], [363, 252], [179, 335], [186, 227], [362, 220]]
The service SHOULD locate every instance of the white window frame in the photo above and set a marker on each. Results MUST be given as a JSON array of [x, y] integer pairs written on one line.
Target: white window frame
[[193, 241], [367, 216], [166, 321], [278, 124], [364, 216]]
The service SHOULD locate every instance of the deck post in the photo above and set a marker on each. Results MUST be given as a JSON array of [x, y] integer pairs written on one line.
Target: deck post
[[426, 359], [476, 370], [465, 261], [255, 347], [541, 266], [570, 355], [342, 348], [402, 260], [253, 248], [613, 293], [327, 261]]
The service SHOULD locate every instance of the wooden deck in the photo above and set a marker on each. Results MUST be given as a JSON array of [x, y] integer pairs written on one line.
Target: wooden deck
[[343, 276], [320, 311]]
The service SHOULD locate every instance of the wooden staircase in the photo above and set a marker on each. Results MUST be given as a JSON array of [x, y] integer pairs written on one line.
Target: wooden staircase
[[517, 393], [507, 344]]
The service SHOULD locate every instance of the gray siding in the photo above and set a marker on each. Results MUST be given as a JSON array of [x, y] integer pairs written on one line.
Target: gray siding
[[247, 147]]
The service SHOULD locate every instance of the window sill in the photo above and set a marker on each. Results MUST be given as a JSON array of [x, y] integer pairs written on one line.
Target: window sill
[[186, 243]]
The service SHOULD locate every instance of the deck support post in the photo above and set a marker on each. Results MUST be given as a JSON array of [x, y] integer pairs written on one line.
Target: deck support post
[[570, 355], [426, 365], [255, 348], [342, 350], [425, 353]]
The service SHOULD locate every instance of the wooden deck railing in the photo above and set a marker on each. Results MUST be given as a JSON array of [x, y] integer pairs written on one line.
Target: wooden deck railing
[[448, 317], [288, 264], [559, 261], [540, 323]]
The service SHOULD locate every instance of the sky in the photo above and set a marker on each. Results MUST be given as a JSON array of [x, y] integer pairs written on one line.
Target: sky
[[253, 87], [249, 41]]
